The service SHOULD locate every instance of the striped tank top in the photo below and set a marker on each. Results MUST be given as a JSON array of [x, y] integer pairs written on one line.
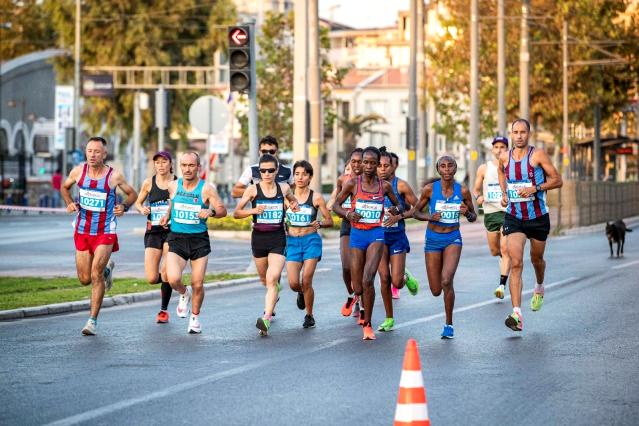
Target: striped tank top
[[521, 174], [97, 202]]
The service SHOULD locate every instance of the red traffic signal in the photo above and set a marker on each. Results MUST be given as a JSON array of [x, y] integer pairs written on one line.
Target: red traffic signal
[[240, 61], [238, 36]]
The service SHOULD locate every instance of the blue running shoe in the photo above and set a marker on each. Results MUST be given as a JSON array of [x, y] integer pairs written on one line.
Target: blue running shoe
[[448, 332]]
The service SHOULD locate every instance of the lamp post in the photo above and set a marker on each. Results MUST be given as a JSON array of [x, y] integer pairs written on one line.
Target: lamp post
[[22, 178]]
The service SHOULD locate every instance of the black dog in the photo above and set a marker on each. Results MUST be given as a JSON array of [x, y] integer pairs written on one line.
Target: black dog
[[617, 232]]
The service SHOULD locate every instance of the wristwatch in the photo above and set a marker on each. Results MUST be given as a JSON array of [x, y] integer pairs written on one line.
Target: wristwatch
[[125, 207], [538, 187]]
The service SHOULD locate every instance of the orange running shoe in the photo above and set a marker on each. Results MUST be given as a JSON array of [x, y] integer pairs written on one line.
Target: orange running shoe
[[162, 318], [347, 309], [368, 332]]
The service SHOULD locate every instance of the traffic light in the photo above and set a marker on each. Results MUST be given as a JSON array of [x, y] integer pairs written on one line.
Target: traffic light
[[240, 61]]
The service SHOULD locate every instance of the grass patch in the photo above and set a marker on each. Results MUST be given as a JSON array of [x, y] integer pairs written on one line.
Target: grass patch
[[22, 292]]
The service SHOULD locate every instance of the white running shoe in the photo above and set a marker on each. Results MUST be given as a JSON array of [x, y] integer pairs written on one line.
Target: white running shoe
[[108, 275], [183, 304], [194, 325], [91, 328]]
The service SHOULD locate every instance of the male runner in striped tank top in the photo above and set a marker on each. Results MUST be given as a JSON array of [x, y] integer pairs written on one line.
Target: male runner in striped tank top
[[525, 174], [487, 192], [95, 225]]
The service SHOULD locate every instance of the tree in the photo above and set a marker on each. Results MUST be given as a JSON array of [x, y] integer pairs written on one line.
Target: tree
[[25, 27], [356, 126]]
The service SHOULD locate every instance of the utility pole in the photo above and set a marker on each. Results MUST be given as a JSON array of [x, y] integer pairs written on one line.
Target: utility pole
[[160, 115], [524, 61], [421, 99], [252, 95], [300, 66], [473, 139], [76, 88], [565, 149], [501, 70], [136, 139], [411, 122], [596, 145], [314, 146]]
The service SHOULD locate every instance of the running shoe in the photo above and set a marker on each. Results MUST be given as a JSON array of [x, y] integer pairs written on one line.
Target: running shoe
[[537, 300], [309, 321], [90, 329], [183, 304], [108, 275], [360, 321], [448, 332], [194, 325], [263, 325], [387, 325], [515, 322], [499, 291], [394, 292], [301, 304], [368, 332], [347, 309], [356, 310], [411, 283], [162, 318]]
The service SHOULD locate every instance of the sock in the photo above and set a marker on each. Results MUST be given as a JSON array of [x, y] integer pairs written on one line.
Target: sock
[[93, 320], [166, 292], [517, 310], [195, 315], [503, 279], [539, 288]]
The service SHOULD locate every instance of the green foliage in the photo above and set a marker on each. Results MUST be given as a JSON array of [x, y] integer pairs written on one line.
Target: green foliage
[[25, 27], [229, 223]]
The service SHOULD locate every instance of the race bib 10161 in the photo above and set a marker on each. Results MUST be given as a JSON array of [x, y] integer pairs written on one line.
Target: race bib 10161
[[301, 217]]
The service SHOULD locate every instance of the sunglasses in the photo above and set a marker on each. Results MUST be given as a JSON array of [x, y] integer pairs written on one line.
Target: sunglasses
[[268, 151], [267, 170]]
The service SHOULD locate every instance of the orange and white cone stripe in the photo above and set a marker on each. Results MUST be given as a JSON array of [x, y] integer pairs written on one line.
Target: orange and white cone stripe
[[412, 406]]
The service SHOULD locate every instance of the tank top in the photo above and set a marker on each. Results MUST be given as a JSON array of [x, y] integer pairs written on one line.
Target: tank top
[[185, 207], [272, 218], [305, 216], [492, 190], [447, 207], [97, 202], [399, 226], [347, 205], [159, 205], [369, 205], [521, 174]]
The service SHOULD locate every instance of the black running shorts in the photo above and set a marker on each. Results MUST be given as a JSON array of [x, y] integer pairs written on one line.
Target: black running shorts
[[189, 246], [537, 229], [345, 229], [264, 243], [155, 239]]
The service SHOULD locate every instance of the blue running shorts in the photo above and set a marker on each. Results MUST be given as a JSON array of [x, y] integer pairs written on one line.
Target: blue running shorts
[[299, 249], [397, 242], [362, 238], [437, 241]]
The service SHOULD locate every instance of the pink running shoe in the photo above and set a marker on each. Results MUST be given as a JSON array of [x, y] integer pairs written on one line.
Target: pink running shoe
[[395, 292]]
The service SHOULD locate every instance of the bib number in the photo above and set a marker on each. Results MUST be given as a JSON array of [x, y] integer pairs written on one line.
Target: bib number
[[494, 194], [387, 216], [94, 201], [449, 212], [514, 196], [347, 203], [158, 211], [273, 212], [301, 217], [186, 213], [370, 212]]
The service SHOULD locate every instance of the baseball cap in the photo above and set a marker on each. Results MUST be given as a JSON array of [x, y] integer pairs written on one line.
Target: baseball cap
[[502, 139], [163, 154]]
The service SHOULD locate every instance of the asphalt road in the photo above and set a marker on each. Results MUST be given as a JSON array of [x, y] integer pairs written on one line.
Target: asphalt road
[[575, 362]]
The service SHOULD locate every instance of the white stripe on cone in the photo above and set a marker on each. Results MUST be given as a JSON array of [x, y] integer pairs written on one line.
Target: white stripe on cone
[[411, 379], [411, 412]]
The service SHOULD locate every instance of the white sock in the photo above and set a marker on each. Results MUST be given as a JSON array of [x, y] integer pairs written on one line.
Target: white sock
[[539, 288], [517, 310]]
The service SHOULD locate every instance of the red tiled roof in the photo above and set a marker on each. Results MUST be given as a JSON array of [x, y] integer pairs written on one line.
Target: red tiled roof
[[393, 77]]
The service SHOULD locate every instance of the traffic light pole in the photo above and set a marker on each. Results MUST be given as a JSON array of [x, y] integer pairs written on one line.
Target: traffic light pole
[[252, 95]]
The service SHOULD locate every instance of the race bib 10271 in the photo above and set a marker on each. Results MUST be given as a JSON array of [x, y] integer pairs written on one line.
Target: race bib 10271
[[93, 200]]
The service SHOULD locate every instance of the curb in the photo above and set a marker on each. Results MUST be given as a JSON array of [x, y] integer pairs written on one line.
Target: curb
[[121, 299], [630, 222]]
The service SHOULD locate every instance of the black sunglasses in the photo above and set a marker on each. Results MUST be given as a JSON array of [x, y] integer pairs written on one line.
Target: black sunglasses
[[268, 151], [267, 170]]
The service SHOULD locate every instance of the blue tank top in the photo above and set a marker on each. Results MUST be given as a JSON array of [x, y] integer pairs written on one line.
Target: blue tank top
[[185, 207], [520, 174], [399, 226], [448, 207]]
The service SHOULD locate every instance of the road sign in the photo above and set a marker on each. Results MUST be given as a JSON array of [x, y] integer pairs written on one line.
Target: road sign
[[63, 114], [208, 114]]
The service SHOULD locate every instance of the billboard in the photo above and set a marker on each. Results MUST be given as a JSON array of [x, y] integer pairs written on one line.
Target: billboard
[[63, 114]]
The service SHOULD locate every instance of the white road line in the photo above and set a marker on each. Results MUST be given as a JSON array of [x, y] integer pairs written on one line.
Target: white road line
[[121, 405], [625, 265], [176, 389]]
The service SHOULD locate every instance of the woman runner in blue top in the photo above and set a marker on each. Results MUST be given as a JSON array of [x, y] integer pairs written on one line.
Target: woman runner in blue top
[[446, 200]]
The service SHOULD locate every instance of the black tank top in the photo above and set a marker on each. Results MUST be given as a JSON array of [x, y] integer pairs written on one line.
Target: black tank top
[[306, 214], [158, 203], [272, 218]]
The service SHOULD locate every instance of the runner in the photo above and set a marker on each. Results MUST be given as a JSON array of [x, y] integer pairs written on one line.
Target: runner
[[268, 239], [304, 244], [487, 192], [446, 200], [251, 175], [367, 233], [352, 300], [95, 225], [193, 201], [525, 174], [156, 190], [392, 267]]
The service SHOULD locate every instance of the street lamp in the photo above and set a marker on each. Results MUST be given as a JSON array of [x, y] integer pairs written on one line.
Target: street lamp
[[22, 178]]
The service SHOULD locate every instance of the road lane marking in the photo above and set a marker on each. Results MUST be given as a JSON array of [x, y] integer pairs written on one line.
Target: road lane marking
[[625, 265], [178, 389]]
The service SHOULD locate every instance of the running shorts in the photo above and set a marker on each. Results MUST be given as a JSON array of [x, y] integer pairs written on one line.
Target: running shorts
[[362, 238], [345, 229], [537, 229], [494, 221], [155, 239], [189, 246], [299, 249], [264, 243], [397, 243], [436, 242], [84, 242]]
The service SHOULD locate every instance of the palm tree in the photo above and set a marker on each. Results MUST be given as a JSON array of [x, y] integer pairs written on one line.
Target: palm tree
[[358, 125]]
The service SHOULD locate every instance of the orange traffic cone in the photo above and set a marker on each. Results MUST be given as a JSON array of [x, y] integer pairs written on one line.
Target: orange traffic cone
[[412, 407]]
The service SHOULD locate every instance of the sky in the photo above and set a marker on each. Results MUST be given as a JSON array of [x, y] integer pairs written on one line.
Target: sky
[[363, 13]]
